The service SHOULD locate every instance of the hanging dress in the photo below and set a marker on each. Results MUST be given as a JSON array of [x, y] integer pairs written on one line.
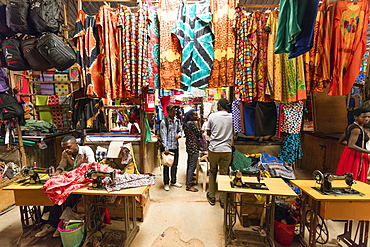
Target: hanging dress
[[349, 44], [170, 49], [222, 74], [153, 49], [353, 161], [194, 31], [88, 58]]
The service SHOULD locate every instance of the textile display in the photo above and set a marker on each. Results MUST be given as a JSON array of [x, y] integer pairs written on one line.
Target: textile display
[[249, 120], [349, 44], [170, 48], [194, 31], [56, 110], [153, 48], [89, 61], [44, 109], [276, 167], [291, 117], [265, 119], [87, 114], [235, 111], [58, 188], [47, 88], [126, 180], [61, 88], [291, 150], [222, 74]]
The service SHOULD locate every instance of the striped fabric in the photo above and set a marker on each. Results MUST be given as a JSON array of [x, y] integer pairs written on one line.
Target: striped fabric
[[193, 29]]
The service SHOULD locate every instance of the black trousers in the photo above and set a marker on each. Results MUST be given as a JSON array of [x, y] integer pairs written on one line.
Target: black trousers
[[56, 210], [173, 168]]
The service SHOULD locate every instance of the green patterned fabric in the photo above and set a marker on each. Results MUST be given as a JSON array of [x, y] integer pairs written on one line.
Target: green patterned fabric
[[240, 161]]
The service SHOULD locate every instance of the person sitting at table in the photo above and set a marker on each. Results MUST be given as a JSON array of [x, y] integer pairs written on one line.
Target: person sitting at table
[[72, 157]]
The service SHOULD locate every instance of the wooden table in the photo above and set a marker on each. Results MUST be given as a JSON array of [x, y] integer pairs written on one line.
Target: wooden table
[[336, 207], [276, 187], [31, 197]]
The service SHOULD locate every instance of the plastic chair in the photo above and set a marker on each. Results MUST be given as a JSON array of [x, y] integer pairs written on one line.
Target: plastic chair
[[203, 166]]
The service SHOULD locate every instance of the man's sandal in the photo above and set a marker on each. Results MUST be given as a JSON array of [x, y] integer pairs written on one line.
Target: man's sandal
[[192, 189]]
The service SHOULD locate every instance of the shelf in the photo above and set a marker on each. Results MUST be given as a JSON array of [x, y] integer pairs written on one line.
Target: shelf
[[68, 82]]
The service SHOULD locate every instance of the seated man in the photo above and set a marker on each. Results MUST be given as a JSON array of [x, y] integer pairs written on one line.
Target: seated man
[[72, 157]]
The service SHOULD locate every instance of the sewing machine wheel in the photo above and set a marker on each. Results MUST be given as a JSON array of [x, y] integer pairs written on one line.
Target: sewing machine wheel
[[25, 171], [318, 177], [322, 232]]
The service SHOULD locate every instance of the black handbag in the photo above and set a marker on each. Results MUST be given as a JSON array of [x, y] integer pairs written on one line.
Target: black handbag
[[33, 56], [55, 51], [13, 55]]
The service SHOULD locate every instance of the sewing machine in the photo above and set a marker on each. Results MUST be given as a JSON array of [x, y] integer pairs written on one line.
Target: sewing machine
[[237, 181], [33, 172], [325, 181], [97, 177]]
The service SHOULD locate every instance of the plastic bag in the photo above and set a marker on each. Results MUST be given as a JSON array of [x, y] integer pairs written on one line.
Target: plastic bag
[[167, 160]]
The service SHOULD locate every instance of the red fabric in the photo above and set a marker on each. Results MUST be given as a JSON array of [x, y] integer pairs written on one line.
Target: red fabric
[[354, 162], [58, 188], [165, 100]]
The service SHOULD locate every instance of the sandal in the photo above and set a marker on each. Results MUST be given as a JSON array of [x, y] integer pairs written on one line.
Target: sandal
[[192, 189]]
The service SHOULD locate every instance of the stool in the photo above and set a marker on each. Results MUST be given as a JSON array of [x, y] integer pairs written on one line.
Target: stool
[[203, 166]]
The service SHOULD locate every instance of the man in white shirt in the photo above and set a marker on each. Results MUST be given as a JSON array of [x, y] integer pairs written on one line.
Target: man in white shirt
[[220, 131], [72, 157]]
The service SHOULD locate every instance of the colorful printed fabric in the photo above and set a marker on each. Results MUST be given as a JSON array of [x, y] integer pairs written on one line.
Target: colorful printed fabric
[[106, 22], [126, 180], [235, 111], [244, 53], [170, 48], [193, 29], [294, 76], [276, 167], [61, 88], [291, 117], [291, 150], [274, 61], [58, 188], [153, 49], [222, 74], [354, 162], [88, 58], [349, 44]]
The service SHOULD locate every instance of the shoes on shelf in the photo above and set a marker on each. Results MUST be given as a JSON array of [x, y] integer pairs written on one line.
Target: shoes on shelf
[[166, 187], [211, 200], [177, 185]]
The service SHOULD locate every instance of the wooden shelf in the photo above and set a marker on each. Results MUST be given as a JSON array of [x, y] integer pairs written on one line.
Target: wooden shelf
[[68, 82]]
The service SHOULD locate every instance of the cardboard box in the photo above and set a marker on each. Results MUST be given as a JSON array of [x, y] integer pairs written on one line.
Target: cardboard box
[[250, 210]]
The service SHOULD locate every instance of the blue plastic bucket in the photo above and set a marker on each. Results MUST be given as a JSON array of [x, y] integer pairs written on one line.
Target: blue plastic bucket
[[73, 234]]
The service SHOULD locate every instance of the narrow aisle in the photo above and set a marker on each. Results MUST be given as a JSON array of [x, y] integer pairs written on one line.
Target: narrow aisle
[[178, 216]]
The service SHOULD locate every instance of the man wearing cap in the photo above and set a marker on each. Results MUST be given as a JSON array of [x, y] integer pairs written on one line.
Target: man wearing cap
[[220, 131], [170, 131]]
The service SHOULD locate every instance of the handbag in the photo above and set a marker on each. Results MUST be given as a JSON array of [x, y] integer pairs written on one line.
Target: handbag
[[167, 160], [203, 144]]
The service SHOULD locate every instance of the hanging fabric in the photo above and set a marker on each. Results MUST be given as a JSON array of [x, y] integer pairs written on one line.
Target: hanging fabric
[[153, 48], [349, 44], [170, 49], [222, 74], [194, 31], [89, 61]]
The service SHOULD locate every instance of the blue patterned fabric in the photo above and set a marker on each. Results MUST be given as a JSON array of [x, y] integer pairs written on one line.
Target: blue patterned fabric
[[235, 111], [194, 31], [276, 167], [291, 149]]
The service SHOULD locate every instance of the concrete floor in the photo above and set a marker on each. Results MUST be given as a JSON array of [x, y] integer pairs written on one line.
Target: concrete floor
[[174, 219]]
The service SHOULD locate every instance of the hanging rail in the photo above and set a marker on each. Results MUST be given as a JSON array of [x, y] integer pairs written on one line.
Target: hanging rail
[[259, 6]]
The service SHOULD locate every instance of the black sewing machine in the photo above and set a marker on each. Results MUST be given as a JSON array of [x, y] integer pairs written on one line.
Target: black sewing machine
[[33, 173], [237, 181], [97, 177], [326, 187]]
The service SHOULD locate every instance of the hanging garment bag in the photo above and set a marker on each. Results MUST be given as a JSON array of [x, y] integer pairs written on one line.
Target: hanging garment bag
[[13, 56], [53, 49], [33, 56], [4, 29], [44, 15], [16, 16]]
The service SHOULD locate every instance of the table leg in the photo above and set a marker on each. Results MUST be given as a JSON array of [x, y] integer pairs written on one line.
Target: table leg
[[131, 228], [229, 218], [313, 223], [30, 217]]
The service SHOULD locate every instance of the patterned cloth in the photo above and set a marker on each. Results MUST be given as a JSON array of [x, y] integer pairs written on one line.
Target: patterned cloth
[[192, 135], [153, 49], [291, 117], [126, 180], [276, 167], [88, 58], [193, 29], [61, 88], [58, 188], [291, 149], [170, 49], [349, 44], [235, 111], [222, 74]]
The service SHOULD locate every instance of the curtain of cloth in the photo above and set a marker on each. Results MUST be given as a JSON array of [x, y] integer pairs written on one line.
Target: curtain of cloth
[[170, 49], [222, 74]]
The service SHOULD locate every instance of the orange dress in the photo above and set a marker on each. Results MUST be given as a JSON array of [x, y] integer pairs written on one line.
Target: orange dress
[[349, 44]]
